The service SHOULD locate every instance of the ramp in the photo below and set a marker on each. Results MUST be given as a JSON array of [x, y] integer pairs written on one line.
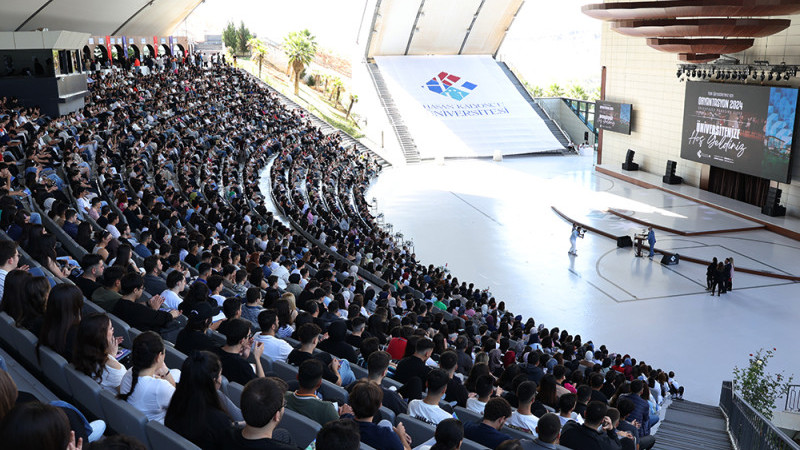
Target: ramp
[[463, 107]]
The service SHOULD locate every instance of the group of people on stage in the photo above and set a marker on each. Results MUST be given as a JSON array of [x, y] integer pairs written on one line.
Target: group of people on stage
[[719, 276]]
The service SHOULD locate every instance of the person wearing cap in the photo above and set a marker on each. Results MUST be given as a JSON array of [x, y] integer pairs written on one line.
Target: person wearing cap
[[193, 336]]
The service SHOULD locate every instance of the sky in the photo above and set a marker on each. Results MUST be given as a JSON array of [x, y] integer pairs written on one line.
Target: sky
[[567, 42]]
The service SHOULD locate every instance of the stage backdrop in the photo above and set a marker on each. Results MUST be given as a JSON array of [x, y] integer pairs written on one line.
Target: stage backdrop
[[463, 106], [747, 129]]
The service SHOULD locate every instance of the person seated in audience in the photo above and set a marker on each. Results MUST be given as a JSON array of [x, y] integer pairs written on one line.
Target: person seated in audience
[[546, 397], [641, 410], [141, 249], [9, 259], [294, 284], [456, 392], [335, 343], [93, 268], [195, 410], [547, 432], [428, 409], [262, 406], [596, 432], [356, 337], [675, 388], [37, 289], [61, 319], [411, 370], [153, 283], [142, 316], [96, 352], [232, 309], [238, 346], [215, 286], [487, 432], [627, 440], [562, 386], [252, 308], [194, 337], [566, 409], [308, 335], [523, 419], [484, 388], [596, 382], [38, 426], [71, 222], [583, 398], [625, 407], [149, 384], [13, 300], [449, 435], [365, 399], [378, 366], [107, 295], [176, 283], [304, 400], [339, 434], [276, 349]]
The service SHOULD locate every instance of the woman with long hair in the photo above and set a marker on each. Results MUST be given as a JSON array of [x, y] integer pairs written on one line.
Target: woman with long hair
[[96, 351], [547, 393], [61, 319], [84, 237], [449, 435], [285, 317], [124, 260], [13, 301], [148, 385], [196, 411], [33, 307], [44, 252], [101, 247]]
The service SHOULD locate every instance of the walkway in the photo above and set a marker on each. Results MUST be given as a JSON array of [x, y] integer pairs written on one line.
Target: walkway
[[689, 425]]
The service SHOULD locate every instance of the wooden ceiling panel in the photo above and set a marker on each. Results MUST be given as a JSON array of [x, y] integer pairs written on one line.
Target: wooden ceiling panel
[[666, 9], [711, 46], [719, 27]]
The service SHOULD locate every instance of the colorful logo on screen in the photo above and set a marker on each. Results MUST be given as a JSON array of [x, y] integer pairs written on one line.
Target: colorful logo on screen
[[450, 85]]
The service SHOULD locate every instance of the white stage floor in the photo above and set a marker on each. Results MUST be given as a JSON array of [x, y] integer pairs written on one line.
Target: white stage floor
[[492, 223]]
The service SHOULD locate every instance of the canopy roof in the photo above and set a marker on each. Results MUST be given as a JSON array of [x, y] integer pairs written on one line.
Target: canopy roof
[[97, 17]]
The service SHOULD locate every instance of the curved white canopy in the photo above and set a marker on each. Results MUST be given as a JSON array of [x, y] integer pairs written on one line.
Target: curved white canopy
[[97, 17]]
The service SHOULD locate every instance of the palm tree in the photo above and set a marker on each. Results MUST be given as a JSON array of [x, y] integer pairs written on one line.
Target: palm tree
[[353, 100], [258, 52], [300, 47], [577, 92], [554, 90], [337, 87]]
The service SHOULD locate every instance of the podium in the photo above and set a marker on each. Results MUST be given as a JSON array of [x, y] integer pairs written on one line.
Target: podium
[[638, 240]]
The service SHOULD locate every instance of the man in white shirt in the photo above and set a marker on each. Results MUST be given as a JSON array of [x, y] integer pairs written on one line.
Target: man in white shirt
[[282, 272], [274, 348], [176, 283], [522, 419], [9, 258], [428, 409]]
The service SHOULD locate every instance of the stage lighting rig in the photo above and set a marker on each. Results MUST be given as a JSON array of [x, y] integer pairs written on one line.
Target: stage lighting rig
[[728, 68]]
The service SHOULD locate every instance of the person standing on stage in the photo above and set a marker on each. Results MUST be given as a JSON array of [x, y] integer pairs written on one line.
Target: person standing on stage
[[728, 274], [573, 238], [651, 239], [710, 271]]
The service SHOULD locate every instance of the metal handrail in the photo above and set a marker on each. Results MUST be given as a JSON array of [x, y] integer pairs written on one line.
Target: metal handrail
[[551, 119], [747, 427], [792, 398], [584, 119]]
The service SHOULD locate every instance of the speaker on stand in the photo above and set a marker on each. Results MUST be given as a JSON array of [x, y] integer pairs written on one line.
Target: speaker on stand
[[629, 164], [670, 259], [669, 176], [772, 206]]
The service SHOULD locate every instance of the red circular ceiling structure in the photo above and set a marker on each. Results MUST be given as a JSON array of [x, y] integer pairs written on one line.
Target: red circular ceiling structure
[[697, 30]]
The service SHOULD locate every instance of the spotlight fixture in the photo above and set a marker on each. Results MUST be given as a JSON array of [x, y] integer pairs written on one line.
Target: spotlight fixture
[[755, 75], [770, 76], [678, 73], [762, 76], [786, 76]]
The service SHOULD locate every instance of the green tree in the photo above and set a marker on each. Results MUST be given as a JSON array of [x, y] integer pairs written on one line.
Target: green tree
[[594, 95], [353, 100], [229, 35], [243, 36], [258, 52], [554, 90], [757, 387], [577, 92], [300, 47], [337, 87]]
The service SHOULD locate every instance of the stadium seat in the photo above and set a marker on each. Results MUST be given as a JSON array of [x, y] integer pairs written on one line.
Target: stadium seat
[[418, 430], [162, 438], [333, 393], [303, 430], [284, 371], [25, 343], [466, 444], [388, 414], [53, 366], [122, 417], [266, 363], [388, 383], [359, 371], [365, 447], [6, 329], [465, 415], [516, 434], [121, 329], [86, 391], [90, 307], [174, 359], [235, 393], [218, 337]]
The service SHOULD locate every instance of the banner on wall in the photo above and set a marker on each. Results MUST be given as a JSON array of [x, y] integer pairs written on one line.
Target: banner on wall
[[463, 106], [108, 47], [155, 46], [747, 129], [125, 46]]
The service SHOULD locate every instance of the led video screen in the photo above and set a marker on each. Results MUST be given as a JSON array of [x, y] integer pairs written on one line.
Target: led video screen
[[612, 116], [746, 129]]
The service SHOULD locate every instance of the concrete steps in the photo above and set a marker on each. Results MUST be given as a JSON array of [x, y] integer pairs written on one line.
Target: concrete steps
[[689, 425], [404, 137]]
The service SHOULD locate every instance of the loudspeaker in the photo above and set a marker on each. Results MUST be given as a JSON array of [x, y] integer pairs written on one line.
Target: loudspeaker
[[586, 136], [670, 259], [772, 205], [669, 176], [624, 241], [629, 164]]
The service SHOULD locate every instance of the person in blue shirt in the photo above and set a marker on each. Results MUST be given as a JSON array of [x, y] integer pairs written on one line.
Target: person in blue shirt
[[487, 432], [651, 239], [365, 399]]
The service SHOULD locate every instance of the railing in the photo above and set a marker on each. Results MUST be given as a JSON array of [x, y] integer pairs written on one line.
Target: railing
[[547, 114], [584, 110], [747, 427], [793, 398]]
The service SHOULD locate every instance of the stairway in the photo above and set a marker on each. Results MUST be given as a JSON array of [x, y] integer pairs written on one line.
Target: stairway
[[688, 425], [407, 144], [551, 125]]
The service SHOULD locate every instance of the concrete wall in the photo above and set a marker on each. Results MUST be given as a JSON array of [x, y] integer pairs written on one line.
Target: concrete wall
[[646, 78], [563, 115]]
